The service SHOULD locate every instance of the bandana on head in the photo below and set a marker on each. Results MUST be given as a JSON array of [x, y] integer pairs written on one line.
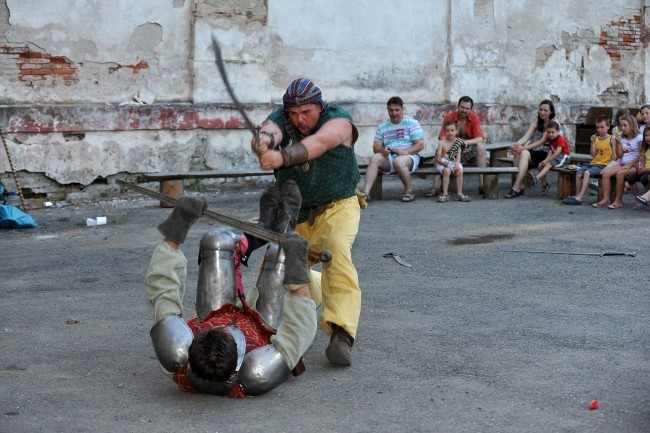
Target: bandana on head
[[300, 92]]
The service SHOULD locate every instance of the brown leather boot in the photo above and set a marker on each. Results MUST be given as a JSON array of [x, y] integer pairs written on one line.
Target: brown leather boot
[[339, 351]]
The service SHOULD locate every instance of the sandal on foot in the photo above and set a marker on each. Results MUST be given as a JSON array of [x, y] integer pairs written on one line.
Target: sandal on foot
[[615, 206], [571, 200], [601, 204], [462, 197], [641, 200], [546, 187], [408, 196], [514, 194], [443, 199], [431, 193]]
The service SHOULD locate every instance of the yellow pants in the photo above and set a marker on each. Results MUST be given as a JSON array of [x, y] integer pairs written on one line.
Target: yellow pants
[[337, 288]]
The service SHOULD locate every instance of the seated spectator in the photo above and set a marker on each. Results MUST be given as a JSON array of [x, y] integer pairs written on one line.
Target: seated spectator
[[397, 143], [448, 162], [644, 200], [642, 172], [532, 148], [469, 130], [602, 149], [629, 148], [558, 154]]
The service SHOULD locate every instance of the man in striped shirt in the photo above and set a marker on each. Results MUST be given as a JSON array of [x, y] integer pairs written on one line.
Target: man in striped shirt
[[398, 141]]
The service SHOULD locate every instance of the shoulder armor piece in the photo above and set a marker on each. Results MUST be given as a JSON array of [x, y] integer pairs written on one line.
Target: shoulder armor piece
[[171, 338], [263, 369]]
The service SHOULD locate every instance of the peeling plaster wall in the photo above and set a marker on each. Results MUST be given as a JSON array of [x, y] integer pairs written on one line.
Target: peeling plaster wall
[[68, 67]]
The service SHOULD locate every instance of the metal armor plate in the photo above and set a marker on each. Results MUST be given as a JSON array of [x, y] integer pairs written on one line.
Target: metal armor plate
[[171, 338], [263, 369], [216, 282], [269, 286]]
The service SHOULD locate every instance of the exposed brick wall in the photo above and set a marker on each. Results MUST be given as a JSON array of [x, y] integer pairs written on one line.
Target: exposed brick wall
[[35, 66], [624, 35]]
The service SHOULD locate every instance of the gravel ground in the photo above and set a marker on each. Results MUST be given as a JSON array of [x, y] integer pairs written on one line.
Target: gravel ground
[[472, 338]]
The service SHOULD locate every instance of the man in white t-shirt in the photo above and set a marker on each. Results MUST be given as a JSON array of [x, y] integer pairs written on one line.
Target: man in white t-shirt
[[397, 142]]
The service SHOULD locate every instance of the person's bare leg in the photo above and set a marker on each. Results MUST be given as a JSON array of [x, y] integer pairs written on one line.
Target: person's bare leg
[[446, 173], [581, 186], [459, 183], [377, 162], [481, 161], [605, 179], [521, 161], [403, 165], [620, 186]]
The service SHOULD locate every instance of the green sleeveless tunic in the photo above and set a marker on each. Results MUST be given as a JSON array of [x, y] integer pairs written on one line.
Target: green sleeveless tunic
[[332, 176]]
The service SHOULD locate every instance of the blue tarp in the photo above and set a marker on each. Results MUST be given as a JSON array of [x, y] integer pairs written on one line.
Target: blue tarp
[[13, 218]]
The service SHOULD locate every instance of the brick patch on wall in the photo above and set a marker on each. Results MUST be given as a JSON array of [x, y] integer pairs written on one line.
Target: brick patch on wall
[[35, 66]]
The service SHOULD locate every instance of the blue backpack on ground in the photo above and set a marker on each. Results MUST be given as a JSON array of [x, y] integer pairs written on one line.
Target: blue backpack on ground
[[13, 218]]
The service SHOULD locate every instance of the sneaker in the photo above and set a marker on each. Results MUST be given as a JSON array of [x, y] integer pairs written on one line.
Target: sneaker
[[339, 351]]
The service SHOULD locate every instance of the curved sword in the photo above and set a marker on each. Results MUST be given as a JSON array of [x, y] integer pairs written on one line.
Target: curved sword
[[226, 83]]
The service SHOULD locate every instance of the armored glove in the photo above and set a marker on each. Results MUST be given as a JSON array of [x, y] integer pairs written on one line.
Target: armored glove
[[296, 248], [186, 211]]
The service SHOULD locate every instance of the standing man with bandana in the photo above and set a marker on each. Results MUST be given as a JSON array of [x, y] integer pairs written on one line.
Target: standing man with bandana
[[312, 143]]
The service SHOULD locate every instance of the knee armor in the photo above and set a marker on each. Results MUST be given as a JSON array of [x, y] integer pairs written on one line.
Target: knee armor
[[216, 282], [269, 286]]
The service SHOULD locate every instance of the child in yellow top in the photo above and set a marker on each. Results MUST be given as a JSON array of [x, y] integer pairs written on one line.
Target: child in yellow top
[[602, 149]]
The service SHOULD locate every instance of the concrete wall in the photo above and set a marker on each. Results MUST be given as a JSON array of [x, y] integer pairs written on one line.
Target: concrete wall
[[71, 72]]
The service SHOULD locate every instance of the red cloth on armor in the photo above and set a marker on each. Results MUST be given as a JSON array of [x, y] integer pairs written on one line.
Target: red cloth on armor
[[249, 321]]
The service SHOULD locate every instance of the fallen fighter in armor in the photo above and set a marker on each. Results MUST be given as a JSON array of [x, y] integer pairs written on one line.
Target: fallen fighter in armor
[[233, 347]]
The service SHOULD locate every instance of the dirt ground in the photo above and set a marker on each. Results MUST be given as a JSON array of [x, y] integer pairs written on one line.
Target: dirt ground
[[472, 338]]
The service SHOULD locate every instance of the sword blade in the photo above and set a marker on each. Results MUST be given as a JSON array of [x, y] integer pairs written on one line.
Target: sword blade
[[633, 254], [247, 227], [226, 83]]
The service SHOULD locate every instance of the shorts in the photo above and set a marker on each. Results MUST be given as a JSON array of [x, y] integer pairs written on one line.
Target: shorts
[[593, 169], [537, 156], [416, 162], [560, 161], [469, 154], [452, 165], [638, 177]]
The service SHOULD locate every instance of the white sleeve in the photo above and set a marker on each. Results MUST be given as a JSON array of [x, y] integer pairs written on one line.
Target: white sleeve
[[165, 281], [297, 329]]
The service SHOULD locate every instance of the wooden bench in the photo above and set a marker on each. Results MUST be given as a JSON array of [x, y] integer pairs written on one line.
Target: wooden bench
[[490, 178], [566, 178], [171, 183], [566, 184]]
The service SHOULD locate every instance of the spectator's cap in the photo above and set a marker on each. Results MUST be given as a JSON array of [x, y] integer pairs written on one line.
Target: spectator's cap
[[300, 92]]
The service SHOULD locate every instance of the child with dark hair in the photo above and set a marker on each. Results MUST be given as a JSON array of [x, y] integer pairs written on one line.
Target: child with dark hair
[[557, 156], [448, 162], [602, 150]]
